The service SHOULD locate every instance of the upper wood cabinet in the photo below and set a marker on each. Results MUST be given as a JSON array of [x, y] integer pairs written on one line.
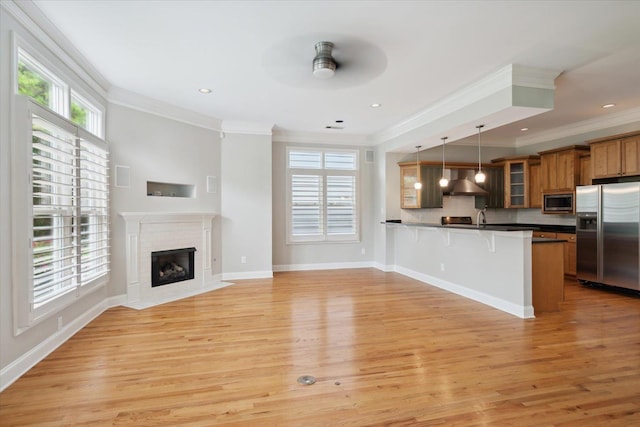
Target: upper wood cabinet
[[615, 156], [585, 169], [560, 168], [430, 196], [535, 185], [517, 181]]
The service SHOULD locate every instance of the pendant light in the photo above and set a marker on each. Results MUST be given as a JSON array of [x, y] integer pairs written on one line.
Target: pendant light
[[480, 175], [418, 184], [443, 181]]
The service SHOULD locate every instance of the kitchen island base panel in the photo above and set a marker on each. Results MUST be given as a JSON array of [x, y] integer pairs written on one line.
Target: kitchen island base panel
[[489, 266]]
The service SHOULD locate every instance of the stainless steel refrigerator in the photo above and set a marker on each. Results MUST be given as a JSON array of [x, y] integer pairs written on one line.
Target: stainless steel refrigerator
[[608, 234]]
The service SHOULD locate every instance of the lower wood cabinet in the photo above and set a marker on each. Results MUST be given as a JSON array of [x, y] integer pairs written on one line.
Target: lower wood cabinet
[[569, 253], [569, 256]]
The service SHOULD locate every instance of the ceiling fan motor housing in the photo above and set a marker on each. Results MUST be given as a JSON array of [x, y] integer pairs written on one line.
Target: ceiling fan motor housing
[[324, 66]]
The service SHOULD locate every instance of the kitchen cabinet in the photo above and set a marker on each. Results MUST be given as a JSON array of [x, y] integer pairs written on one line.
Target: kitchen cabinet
[[517, 180], [560, 168], [615, 156], [430, 196], [585, 169], [494, 184], [535, 186], [569, 253], [569, 256]]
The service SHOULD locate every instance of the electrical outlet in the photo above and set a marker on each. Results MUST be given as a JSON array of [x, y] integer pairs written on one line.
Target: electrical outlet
[[363, 251], [243, 259], [442, 266]]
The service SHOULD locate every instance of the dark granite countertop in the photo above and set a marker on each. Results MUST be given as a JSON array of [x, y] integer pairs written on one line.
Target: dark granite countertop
[[550, 228], [546, 240]]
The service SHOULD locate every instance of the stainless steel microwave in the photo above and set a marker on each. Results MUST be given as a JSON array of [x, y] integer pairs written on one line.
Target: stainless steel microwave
[[558, 203]]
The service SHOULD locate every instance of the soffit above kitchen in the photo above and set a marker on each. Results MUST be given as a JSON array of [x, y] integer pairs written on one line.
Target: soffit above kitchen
[[408, 56]]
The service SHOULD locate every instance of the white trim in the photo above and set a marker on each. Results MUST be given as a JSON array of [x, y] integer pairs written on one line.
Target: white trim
[[152, 106], [325, 266], [246, 128], [583, 127], [267, 274], [524, 312]]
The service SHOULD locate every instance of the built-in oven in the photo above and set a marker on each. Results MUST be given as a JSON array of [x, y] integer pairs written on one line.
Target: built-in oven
[[558, 203]]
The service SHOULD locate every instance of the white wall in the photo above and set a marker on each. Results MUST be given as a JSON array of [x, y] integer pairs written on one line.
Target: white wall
[[161, 150], [246, 206]]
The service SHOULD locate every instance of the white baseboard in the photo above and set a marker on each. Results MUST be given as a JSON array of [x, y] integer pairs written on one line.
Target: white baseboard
[[247, 275], [383, 267], [323, 266], [20, 366], [524, 312]]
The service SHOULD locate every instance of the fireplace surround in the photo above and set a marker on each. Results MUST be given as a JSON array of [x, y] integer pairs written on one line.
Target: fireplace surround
[[148, 232]]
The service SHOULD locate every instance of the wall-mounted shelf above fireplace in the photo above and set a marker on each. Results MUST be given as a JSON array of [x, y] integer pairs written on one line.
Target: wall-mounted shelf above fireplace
[[166, 189]]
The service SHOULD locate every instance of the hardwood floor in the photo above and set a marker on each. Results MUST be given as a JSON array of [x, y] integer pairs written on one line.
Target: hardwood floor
[[385, 349]]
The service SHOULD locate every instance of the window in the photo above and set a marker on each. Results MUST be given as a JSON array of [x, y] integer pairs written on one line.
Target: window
[[322, 195], [70, 206], [44, 87]]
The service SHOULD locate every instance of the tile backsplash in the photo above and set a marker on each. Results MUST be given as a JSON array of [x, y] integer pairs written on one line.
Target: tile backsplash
[[465, 206]]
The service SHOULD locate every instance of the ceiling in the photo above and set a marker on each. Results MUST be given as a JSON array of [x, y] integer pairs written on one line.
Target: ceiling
[[256, 56]]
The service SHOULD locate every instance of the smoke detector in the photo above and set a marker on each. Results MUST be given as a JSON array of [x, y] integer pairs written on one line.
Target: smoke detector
[[324, 66]]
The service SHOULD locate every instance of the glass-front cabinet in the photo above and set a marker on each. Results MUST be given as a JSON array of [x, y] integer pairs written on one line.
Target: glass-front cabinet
[[517, 177]]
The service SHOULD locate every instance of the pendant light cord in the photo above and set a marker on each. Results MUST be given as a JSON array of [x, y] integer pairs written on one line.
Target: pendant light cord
[[479, 154]]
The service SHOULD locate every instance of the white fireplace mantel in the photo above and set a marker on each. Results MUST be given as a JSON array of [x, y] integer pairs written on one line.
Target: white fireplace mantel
[[147, 232]]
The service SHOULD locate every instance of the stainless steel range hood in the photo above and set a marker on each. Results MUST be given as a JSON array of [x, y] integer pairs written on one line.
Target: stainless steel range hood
[[462, 184]]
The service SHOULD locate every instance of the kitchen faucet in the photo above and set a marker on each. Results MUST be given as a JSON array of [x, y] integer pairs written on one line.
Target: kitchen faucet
[[481, 213]]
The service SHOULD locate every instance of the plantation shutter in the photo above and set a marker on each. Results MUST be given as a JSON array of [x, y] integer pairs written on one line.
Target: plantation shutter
[[54, 181], [306, 205], [322, 191], [70, 207], [94, 209], [341, 205]]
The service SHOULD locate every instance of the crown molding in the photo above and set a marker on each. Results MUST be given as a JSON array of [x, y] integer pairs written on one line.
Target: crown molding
[[246, 128], [145, 104], [579, 128], [509, 76], [280, 135], [36, 22]]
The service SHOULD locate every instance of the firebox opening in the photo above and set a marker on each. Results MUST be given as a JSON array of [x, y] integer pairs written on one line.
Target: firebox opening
[[172, 266]]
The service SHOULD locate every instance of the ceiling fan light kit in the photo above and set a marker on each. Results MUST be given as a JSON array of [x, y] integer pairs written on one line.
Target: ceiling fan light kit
[[324, 66]]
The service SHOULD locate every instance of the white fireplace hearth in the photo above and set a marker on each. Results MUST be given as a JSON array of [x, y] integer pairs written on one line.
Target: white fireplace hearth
[[148, 232]]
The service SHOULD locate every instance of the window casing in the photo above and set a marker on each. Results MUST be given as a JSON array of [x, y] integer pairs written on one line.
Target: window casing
[[43, 86], [60, 196], [322, 195]]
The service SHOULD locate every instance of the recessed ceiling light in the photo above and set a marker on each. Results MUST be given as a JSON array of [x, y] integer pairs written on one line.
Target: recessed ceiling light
[[339, 121], [204, 90], [524, 129], [376, 105], [608, 105]]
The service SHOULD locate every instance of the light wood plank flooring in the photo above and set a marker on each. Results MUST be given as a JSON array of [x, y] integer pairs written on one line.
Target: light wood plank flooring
[[385, 349]]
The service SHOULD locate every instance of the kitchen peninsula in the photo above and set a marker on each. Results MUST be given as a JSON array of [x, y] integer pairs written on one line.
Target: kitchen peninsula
[[491, 264]]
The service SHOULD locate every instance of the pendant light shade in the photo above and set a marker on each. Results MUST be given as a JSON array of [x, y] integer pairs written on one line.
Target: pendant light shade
[[443, 181], [480, 176], [418, 183]]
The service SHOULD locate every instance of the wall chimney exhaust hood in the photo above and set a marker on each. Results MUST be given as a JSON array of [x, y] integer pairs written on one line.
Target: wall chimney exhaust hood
[[461, 184]]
